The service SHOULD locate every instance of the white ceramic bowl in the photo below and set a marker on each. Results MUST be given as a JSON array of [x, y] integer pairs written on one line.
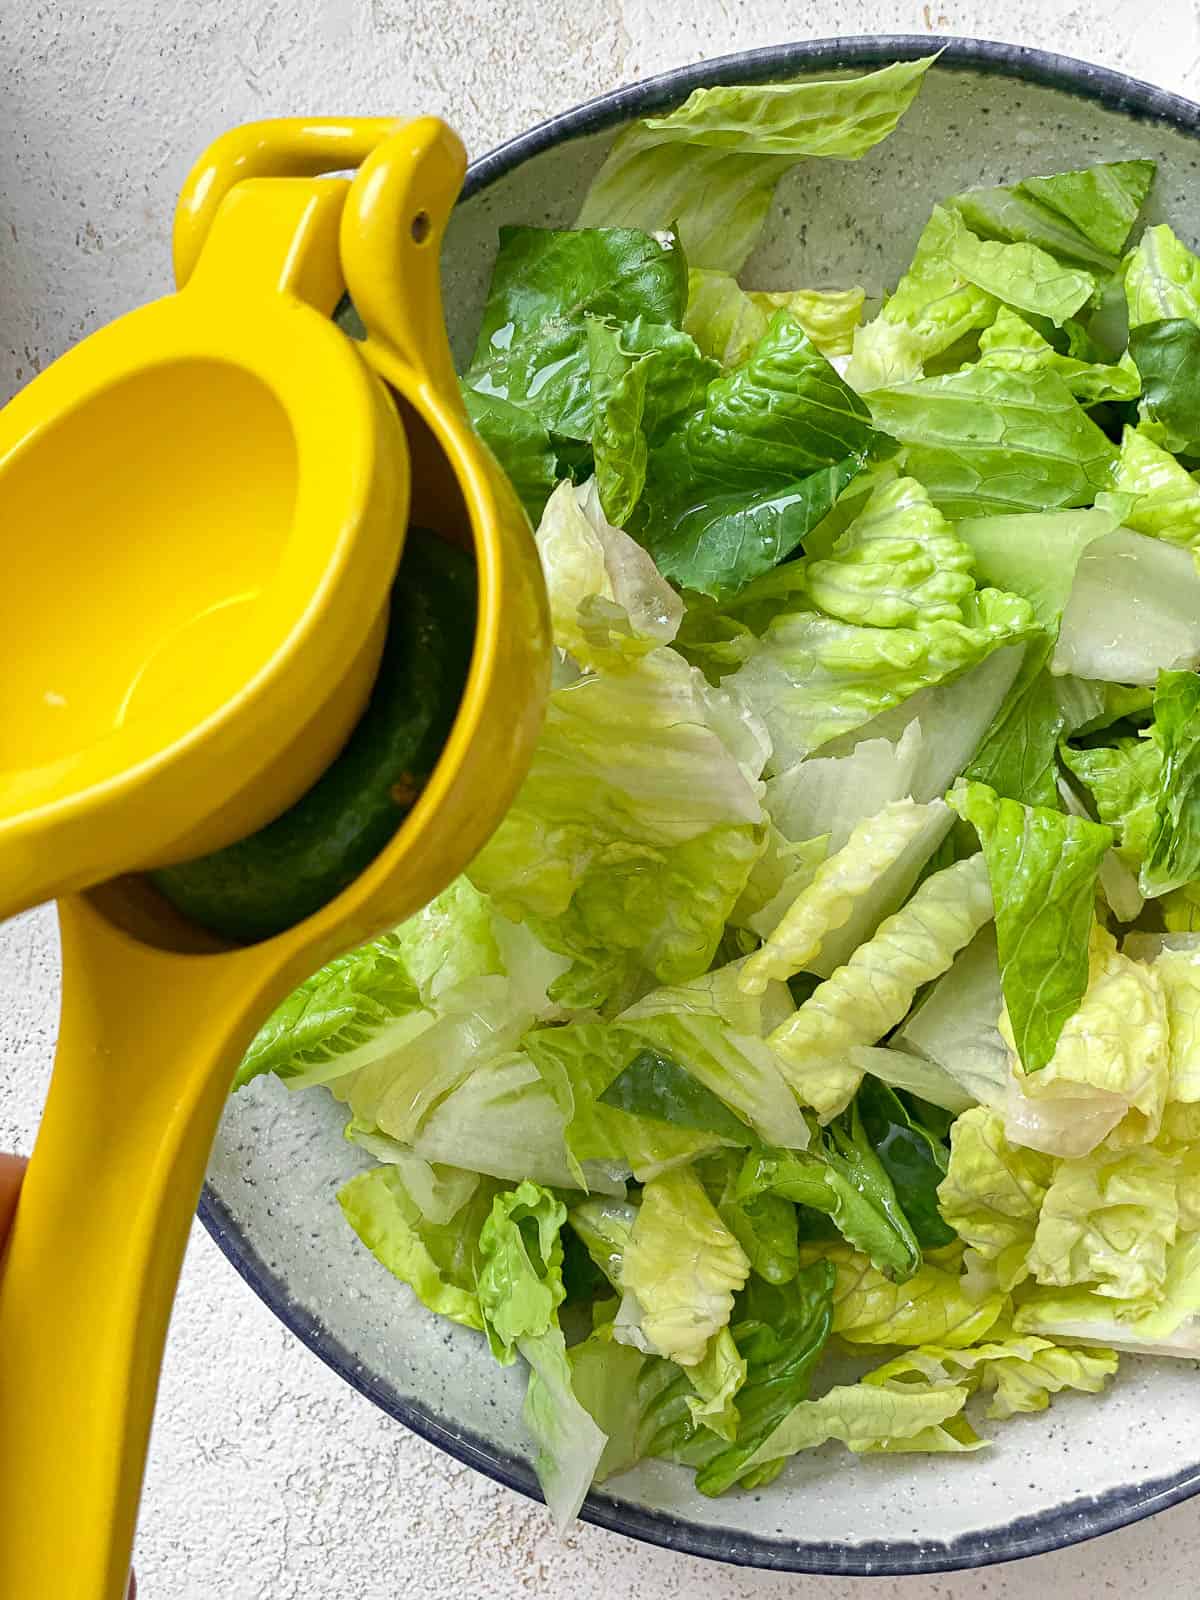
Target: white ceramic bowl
[[987, 113]]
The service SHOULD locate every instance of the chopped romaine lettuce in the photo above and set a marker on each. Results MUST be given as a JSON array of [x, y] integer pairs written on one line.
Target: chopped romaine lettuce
[[898, 564], [992, 1194], [869, 995], [1108, 1075], [439, 1261], [1134, 611], [732, 990], [607, 599], [1034, 555], [1084, 215], [532, 348], [934, 305], [636, 829], [811, 678], [1013, 343], [1172, 855], [1108, 1220], [1123, 780], [1042, 868], [1165, 356], [932, 1307], [989, 440], [681, 1270], [1020, 1373], [1162, 279], [710, 167], [829, 901], [955, 1024], [520, 1289], [1158, 496], [727, 322]]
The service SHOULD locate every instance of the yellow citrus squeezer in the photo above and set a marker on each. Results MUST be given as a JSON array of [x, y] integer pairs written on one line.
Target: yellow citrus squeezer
[[204, 505]]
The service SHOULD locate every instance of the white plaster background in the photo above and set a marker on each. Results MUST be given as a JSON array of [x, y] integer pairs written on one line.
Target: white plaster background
[[269, 1478]]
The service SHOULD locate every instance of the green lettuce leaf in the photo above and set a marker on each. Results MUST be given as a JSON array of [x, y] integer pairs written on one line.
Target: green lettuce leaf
[[1162, 279], [440, 1191], [1018, 755], [992, 1194], [901, 1069], [777, 877], [520, 1291], [913, 1157], [1020, 1373], [716, 995], [840, 883], [519, 442], [843, 1179], [503, 1120], [829, 796], [715, 546], [608, 603], [1021, 275], [934, 305], [780, 1334], [1166, 355], [867, 997], [604, 1227], [1123, 780], [643, 376], [1176, 966], [739, 1069], [1042, 868], [636, 828], [1173, 845], [710, 167], [765, 1225], [717, 1382], [643, 1403], [1170, 1328], [954, 1024], [618, 381], [828, 316], [1102, 202], [783, 413], [932, 1307], [1108, 1076], [1035, 554], [727, 322], [655, 1086], [1132, 613], [351, 1011], [1084, 215], [682, 1268], [1108, 1220], [812, 679], [532, 348], [898, 564], [868, 1417], [1012, 343], [1162, 497], [737, 487], [987, 441], [578, 1063], [439, 1261]]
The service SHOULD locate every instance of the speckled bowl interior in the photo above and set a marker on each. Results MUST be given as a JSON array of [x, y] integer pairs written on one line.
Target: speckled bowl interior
[[988, 113]]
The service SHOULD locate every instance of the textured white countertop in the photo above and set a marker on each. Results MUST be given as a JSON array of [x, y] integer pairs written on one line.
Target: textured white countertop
[[268, 1476]]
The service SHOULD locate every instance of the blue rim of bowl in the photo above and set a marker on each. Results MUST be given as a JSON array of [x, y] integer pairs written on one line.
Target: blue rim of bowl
[[1083, 1518]]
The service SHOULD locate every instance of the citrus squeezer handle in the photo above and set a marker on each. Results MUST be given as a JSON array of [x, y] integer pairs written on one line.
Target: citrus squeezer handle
[[148, 1045], [279, 147]]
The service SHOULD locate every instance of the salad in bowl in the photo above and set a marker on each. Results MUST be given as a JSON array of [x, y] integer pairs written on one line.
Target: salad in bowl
[[812, 1053]]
